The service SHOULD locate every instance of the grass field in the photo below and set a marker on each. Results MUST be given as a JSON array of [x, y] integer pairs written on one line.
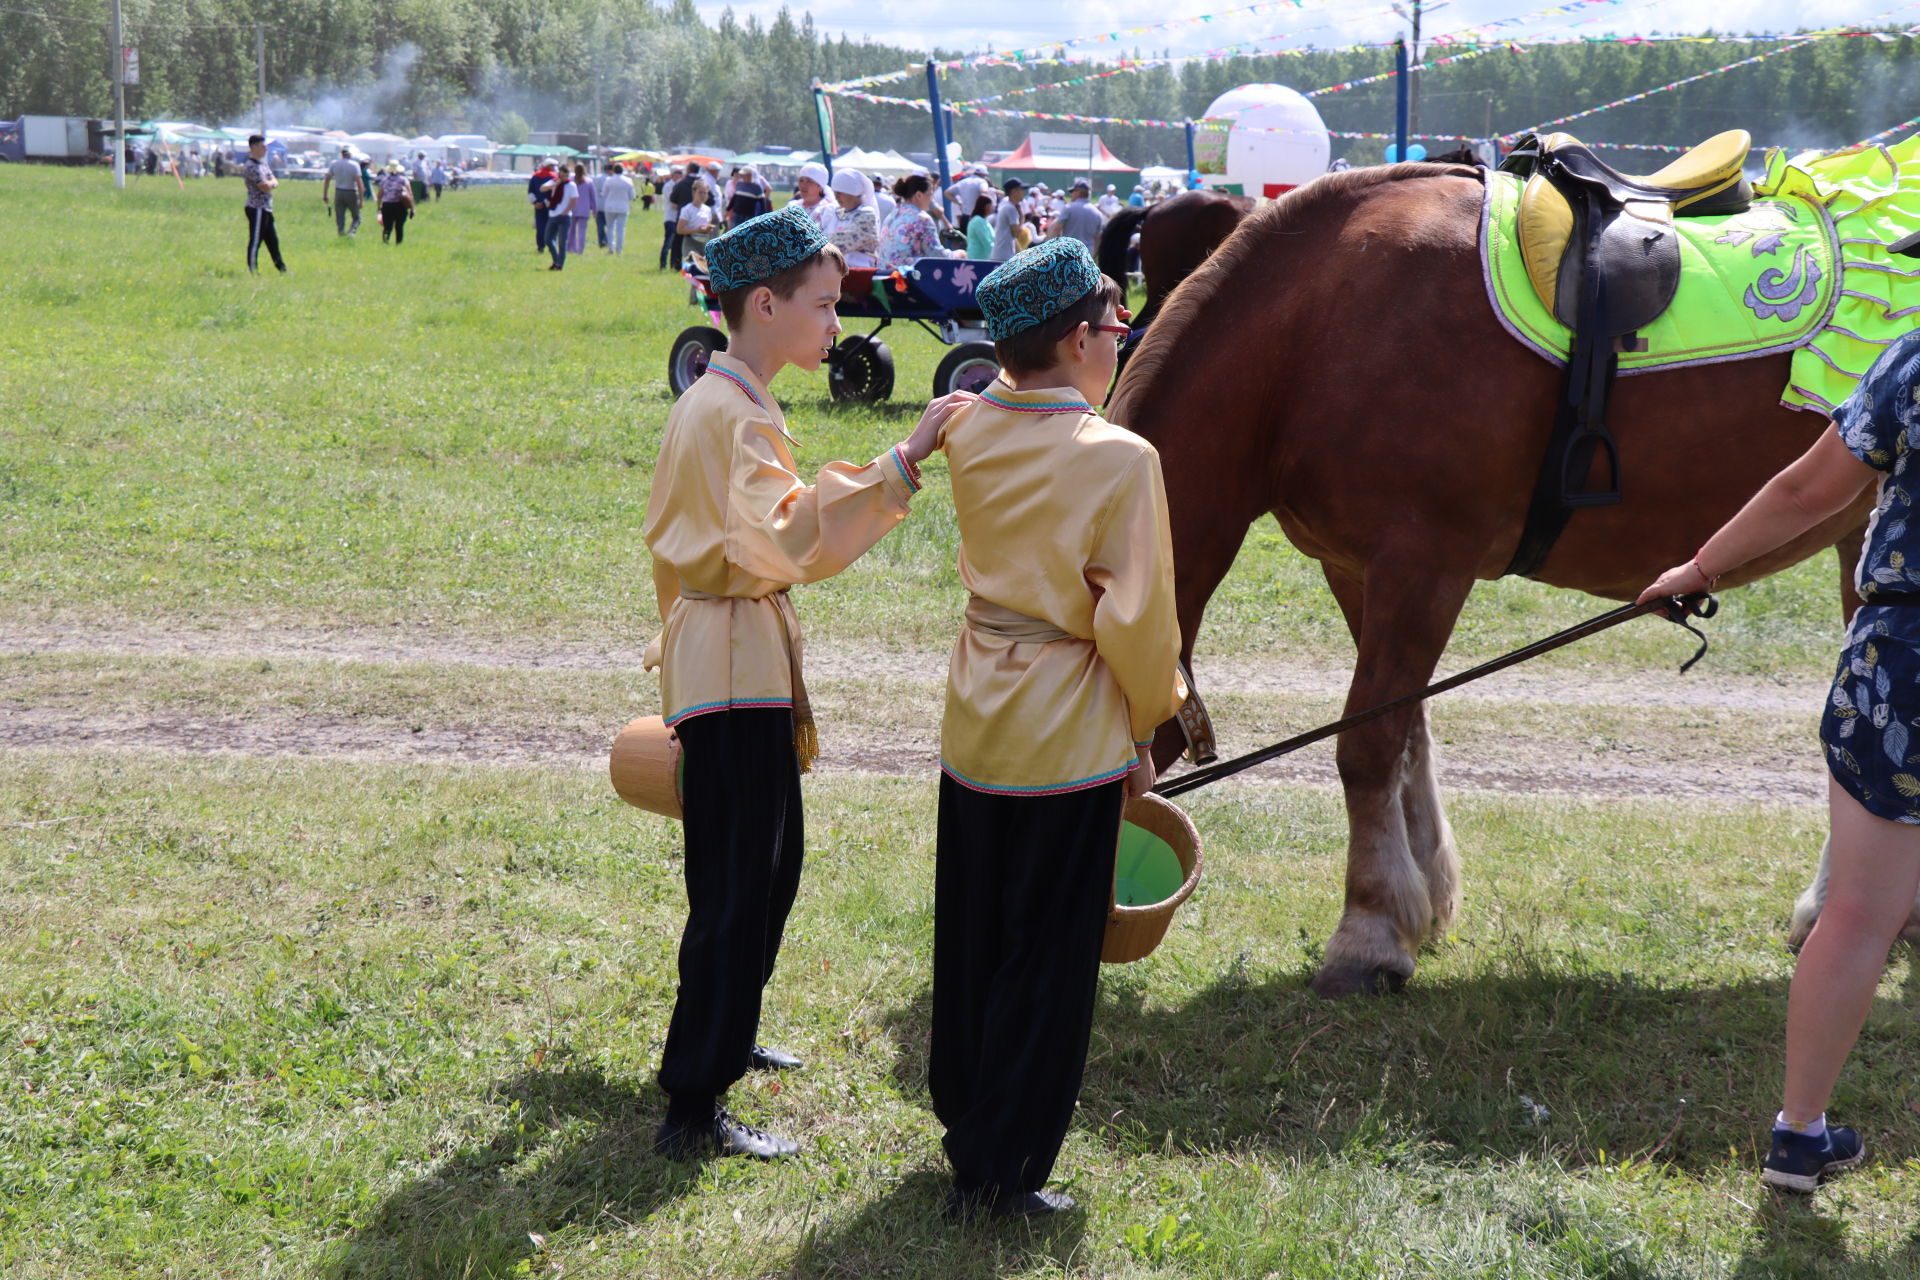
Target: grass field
[[279, 1012]]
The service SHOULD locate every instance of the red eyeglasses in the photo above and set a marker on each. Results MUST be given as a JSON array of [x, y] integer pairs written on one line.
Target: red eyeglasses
[[1120, 329]]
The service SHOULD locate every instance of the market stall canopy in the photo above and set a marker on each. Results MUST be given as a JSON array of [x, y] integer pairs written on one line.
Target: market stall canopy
[[1058, 158], [691, 157], [1161, 173], [640, 157]]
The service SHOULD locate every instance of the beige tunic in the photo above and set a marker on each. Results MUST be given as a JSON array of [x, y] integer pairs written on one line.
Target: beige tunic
[[1063, 533], [731, 527]]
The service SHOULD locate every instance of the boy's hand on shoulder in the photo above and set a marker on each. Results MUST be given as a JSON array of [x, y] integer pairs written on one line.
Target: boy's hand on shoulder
[[926, 435]]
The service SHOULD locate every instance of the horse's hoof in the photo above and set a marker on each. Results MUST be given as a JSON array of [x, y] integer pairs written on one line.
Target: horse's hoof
[[1337, 984]]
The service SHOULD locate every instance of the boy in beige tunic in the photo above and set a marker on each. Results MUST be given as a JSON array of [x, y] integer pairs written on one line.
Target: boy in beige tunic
[[731, 528], [1066, 666]]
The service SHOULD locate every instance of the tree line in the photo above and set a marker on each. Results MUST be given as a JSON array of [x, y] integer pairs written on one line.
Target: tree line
[[655, 74]]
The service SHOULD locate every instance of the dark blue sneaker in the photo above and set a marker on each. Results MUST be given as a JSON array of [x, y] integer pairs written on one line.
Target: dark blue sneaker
[[1799, 1163]]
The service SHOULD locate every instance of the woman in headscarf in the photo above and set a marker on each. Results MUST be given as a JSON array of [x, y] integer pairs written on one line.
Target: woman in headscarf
[[856, 229], [810, 190]]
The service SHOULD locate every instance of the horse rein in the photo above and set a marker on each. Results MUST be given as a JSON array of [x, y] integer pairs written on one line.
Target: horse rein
[[1675, 609]]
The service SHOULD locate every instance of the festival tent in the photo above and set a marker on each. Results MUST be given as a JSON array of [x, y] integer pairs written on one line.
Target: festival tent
[[689, 157], [875, 162], [1058, 158], [639, 157], [380, 147]]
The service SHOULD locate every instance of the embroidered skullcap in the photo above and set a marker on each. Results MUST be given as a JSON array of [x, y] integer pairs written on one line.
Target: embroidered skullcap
[[1036, 285], [762, 247]]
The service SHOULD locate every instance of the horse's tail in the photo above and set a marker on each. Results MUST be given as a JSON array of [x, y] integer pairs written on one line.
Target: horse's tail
[[1114, 240]]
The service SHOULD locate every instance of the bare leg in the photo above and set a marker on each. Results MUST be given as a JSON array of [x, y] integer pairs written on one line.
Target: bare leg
[[1873, 876], [1390, 907]]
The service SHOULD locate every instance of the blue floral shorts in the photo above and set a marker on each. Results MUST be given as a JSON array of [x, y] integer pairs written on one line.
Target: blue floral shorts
[[1871, 729]]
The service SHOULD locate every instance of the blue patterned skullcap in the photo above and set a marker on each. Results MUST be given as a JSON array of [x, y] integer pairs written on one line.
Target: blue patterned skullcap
[[1036, 285], [762, 247]]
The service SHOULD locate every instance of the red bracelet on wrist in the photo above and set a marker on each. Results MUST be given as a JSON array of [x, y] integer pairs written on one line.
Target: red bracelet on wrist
[[1711, 578]]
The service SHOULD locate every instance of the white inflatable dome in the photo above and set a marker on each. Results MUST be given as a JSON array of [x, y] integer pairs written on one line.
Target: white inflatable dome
[[1277, 142]]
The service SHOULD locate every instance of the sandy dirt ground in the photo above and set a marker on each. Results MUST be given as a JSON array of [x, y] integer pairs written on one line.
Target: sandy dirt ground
[[1528, 759]]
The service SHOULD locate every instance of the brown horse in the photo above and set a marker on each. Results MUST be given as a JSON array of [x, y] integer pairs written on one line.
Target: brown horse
[[1176, 236], [1300, 372]]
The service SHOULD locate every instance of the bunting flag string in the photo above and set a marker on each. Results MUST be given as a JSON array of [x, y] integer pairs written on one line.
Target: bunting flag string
[[1813, 37]]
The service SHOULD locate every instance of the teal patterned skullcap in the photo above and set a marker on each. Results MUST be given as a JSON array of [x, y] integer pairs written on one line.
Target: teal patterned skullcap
[[761, 248], [1036, 285]]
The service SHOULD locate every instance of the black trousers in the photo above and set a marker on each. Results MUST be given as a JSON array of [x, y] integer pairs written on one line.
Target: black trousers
[[260, 233], [540, 225], [1021, 890], [393, 221], [745, 835]]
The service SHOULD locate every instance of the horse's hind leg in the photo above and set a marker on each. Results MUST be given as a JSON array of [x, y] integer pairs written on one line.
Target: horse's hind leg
[[1402, 870]]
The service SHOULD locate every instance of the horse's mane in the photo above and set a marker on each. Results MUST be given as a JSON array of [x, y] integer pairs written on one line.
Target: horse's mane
[[1252, 238]]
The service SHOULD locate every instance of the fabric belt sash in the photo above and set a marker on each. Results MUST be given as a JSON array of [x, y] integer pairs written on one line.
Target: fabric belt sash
[[992, 619], [1892, 598], [806, 739]]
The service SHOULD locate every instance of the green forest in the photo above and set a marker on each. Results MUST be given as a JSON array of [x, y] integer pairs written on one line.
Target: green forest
[[646, 74]]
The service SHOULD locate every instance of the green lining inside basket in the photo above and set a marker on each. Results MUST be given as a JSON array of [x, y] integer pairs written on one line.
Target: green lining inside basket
[[1148, 870]]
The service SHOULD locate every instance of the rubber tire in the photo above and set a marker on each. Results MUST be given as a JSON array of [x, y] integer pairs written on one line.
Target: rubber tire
[[860, 371], [691, 351], [952, 365]]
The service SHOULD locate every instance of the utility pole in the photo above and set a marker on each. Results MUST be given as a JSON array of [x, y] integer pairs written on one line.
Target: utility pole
[[260, 66], [1413, 13], [119, 102]]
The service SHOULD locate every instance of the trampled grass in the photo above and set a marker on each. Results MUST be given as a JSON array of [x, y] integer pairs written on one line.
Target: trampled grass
[[251, 1029], [445, 436]]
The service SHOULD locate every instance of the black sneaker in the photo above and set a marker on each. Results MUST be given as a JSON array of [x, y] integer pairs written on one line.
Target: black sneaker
[[765, 1059], [722, 1135], [1799, 1163], [966, 1205]]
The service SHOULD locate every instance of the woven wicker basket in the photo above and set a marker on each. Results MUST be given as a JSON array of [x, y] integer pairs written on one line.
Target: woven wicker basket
[[645, 766], [1133, 932]]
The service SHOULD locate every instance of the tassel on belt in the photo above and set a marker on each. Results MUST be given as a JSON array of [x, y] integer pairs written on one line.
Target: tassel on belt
[[806, 739], [992, 619]]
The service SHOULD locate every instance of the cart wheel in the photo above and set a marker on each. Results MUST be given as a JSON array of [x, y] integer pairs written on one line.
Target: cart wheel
[[968, 367], [861, 370], [688, 359]]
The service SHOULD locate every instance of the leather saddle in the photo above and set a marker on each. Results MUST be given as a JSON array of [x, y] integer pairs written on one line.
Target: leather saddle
[[1601, 252]]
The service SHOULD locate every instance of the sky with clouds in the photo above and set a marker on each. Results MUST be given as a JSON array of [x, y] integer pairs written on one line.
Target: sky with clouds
[[1002, 24]]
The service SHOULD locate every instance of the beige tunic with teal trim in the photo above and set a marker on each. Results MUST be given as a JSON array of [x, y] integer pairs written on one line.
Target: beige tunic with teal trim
[[731, 527], [1063, 532]]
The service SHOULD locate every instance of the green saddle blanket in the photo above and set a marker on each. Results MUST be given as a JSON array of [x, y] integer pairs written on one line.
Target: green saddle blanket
[[1807, 269], [1751, 283]]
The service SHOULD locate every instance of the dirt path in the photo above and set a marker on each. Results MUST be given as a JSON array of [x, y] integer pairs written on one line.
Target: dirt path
[[1517, 750]]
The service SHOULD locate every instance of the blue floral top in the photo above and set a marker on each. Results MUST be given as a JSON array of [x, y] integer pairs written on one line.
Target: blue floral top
[[1880, 425]]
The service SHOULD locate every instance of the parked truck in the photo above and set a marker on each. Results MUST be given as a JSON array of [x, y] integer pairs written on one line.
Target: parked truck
[[52, 140]]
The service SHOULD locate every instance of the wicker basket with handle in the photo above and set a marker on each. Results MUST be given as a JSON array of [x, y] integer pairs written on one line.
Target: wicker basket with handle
[[1133, 932], [645, 766]]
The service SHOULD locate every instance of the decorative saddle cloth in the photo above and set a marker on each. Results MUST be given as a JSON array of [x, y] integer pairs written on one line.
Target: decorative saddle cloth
[[1807, 268]]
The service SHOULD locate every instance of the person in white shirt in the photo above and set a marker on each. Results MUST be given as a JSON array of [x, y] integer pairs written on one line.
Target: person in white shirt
[[616, 201], [962, 194], [698, 221], [438, 177], [563, 194], [883, 204], [1109, 204]]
